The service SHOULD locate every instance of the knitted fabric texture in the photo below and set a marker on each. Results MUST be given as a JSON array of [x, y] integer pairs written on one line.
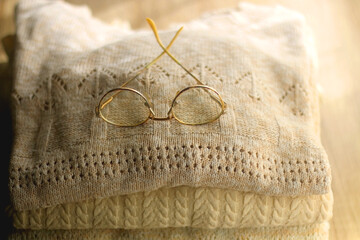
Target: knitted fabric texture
[[260, 59], [181, 207], [312, 232]]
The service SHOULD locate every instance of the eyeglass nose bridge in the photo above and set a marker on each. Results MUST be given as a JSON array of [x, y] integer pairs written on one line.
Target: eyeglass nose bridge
[[153, 117], [161, 118]]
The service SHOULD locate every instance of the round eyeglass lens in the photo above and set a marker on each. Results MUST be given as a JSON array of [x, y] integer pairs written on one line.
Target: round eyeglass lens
[[197, 105], [124, 107]]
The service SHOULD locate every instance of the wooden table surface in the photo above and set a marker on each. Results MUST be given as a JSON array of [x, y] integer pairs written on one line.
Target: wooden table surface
[[336, 27]]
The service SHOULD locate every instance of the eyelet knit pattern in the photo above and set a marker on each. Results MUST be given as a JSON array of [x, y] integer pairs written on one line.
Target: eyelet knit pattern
[[266, 143]]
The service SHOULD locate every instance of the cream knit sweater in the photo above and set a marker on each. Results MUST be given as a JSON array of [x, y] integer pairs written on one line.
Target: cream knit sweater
[[181, 207], [312, 232]]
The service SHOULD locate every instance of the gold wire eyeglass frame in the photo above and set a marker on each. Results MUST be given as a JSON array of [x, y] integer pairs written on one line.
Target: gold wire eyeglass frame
[[148, 103]]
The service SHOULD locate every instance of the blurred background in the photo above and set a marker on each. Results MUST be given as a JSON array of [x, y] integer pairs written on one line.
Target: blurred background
[[336, 28]]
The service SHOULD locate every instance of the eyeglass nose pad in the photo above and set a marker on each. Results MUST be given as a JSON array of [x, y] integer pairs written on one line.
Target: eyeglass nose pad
[[225, 107], [150, 107], [169, 113]]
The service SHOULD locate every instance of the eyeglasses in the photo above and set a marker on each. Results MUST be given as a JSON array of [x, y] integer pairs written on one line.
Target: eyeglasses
[[193, 105]]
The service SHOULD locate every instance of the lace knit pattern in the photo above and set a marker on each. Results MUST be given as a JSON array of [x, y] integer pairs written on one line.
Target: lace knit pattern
[[181, 207], [311, 232], [267, 142]]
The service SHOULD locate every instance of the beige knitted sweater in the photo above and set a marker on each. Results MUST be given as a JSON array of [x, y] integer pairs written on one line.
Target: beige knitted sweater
[[261, 61]]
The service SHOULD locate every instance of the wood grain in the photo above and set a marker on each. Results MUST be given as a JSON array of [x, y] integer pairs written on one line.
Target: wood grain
[[335, 25]]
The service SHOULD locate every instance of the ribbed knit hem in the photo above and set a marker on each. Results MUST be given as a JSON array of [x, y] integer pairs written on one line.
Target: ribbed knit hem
[[311, 232]]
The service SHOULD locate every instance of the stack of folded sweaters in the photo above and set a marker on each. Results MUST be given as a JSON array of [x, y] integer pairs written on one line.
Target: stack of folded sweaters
[[258, 172]]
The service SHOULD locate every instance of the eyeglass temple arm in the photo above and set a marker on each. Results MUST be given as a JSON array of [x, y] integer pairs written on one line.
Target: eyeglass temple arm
[[155, 60], [153, 27], [146, 67]]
